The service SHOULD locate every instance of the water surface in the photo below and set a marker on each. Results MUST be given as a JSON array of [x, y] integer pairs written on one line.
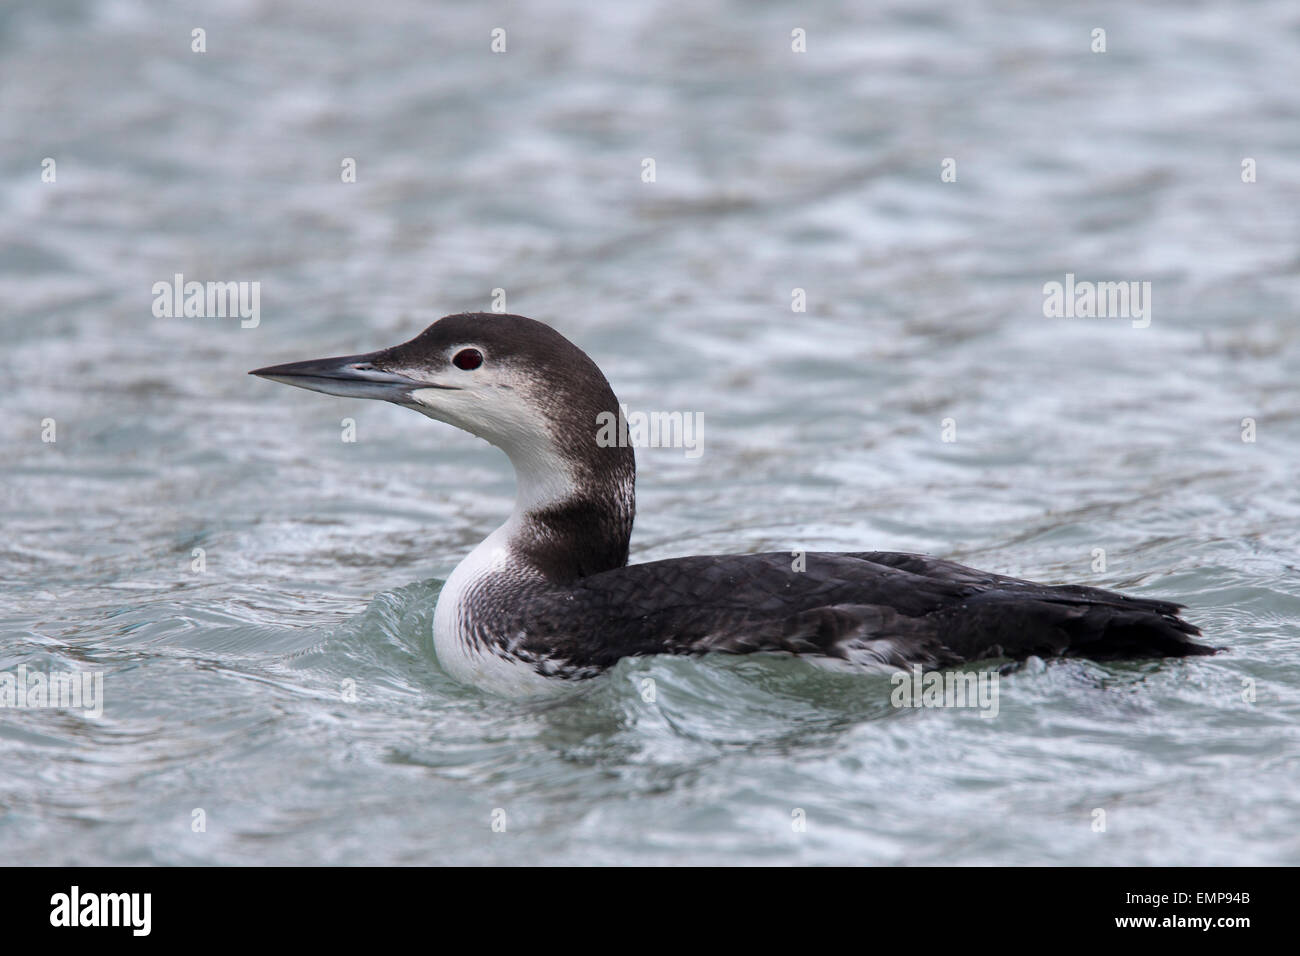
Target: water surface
[[230, 690]]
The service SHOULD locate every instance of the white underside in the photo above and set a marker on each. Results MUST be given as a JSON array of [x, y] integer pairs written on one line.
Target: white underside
[[465, 660], [872, 657]]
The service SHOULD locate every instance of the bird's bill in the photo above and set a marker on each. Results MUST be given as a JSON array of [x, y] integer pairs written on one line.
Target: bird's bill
[[352, 376]]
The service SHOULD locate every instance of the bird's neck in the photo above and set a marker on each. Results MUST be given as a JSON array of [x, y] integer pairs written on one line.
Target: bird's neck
[[573, 512]]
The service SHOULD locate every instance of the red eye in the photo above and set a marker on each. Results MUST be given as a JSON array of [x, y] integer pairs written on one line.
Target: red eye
[[468, 359]]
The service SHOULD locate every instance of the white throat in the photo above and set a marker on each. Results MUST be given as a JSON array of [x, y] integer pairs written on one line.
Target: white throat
[[541, 481]]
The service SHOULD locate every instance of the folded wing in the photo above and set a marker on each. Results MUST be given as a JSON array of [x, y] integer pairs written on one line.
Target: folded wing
[[874, 607]]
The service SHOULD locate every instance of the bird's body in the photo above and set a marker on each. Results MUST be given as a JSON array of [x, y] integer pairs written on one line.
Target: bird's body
[[548, 599]]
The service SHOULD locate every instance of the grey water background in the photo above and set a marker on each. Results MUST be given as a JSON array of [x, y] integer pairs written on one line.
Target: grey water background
[[522, 170]]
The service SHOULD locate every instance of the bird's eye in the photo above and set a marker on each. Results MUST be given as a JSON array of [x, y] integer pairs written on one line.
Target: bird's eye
[[468, 359]]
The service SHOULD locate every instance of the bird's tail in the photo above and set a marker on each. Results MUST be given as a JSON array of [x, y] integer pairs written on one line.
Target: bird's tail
[[1069, 622]]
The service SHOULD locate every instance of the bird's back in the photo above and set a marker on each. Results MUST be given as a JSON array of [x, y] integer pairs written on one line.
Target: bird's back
[[880, 608]]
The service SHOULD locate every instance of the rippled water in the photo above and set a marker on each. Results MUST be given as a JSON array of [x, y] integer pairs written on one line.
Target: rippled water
[[225, 689]]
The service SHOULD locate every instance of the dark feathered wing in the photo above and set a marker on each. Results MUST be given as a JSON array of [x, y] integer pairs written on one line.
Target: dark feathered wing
[[877, 606]]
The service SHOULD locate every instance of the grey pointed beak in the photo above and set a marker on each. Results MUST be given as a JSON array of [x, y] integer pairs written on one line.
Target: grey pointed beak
[[352, 376]]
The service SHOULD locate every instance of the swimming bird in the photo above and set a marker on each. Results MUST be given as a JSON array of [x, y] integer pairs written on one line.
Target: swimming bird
[[548, 599]]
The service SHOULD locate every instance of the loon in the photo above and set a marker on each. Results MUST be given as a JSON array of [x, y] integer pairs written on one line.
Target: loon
[[548, 599]]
